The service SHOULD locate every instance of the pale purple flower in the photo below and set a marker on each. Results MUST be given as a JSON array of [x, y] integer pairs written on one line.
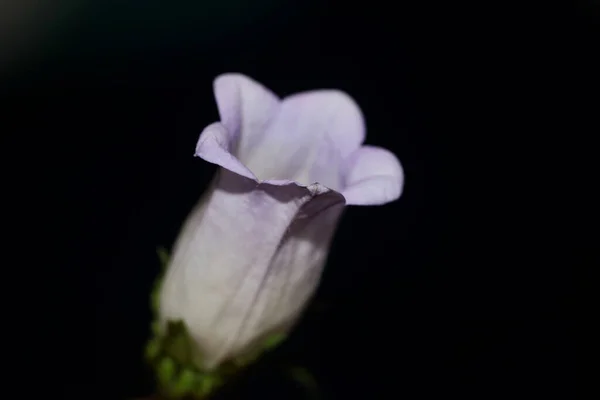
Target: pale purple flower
[[250, 255]]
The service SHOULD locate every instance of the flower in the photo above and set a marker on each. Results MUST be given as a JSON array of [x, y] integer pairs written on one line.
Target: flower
[[251, 253]]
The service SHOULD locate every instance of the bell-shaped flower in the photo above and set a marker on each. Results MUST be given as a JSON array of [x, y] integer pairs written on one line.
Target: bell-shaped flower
[[251, 253]]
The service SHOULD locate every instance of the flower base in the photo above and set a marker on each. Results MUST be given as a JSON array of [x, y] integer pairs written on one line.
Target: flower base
[[177, 363]]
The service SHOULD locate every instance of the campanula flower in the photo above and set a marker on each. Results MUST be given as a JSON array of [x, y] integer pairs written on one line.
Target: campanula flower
[[250, 255]]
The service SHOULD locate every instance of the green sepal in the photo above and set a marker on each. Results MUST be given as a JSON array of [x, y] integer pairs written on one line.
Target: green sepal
[[163, 257], [177, 363]]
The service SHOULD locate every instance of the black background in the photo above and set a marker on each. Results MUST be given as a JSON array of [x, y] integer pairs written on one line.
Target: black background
[[446, 292]]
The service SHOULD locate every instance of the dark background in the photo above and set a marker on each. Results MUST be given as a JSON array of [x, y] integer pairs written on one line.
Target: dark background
[[447, 292]]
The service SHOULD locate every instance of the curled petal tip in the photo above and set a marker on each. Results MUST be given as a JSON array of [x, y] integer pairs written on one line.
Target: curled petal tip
[[374, 177]]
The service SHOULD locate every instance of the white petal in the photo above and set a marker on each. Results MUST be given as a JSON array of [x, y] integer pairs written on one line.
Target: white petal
[[374, 176], [230, 278], [309, 139], [245, 107]]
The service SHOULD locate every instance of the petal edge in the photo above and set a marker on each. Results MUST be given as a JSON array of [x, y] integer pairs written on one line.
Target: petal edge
[[214, 146]]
